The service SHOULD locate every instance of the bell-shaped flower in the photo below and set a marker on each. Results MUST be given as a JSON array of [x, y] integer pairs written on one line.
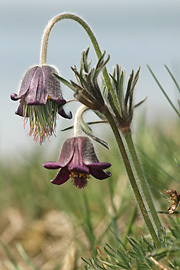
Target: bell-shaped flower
[[40, 100], [77, 161]]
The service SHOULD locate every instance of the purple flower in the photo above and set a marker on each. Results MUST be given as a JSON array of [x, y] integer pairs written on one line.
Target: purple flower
[[40, 100], [77, 161]]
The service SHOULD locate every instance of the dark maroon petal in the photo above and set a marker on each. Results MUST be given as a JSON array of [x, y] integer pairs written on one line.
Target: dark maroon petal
[[99, 165], [64, 114], [51, 165], [67, 152], [27, 80], [76, 163], [99, 174], [87, 150], [60, 101], [80, 169], [20, 110], [61, 177], [14, 97]]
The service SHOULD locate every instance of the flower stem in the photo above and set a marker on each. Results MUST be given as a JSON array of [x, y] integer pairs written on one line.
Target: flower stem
[[132, 179], [77, 121], [143, 182], [45, 38]]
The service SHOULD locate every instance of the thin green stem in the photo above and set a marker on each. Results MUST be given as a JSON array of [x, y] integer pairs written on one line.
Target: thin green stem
[[45, 38], [142, 180], [132, 178]]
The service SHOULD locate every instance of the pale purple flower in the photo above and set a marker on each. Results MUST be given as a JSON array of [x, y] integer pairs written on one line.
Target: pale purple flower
[[40, 100]]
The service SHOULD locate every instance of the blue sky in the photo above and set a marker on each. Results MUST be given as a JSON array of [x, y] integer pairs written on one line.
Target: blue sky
[[135, 33]]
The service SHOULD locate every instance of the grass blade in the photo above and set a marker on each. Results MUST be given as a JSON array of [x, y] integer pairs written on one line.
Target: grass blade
[[164, 92], [170, 73], [25, 256], [10, 256]]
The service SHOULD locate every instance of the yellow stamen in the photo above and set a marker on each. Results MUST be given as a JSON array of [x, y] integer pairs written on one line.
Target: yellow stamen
[[78, 175]]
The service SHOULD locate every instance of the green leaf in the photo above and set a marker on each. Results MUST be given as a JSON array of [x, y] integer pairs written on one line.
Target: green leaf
[[102, 142], [139, 103], [68, 84]]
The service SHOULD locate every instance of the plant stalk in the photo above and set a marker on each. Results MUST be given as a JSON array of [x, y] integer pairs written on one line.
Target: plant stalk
[[132, 178], [142, 180], [77, 122], [45, 38]]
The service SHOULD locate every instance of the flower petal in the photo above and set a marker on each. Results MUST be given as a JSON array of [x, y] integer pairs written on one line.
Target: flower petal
[[59, 101], [20, 109], [51, 82], [87, 150], [99, 174], [14, 97], [76, 168], [99, 165], [77, 164], [64, 114], [61, 177], [41, 92], [27, 80], [52, 165], [67, 152], [36, 94]]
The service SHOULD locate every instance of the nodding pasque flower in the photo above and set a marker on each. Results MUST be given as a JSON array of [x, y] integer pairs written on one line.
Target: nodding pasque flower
[[123, 106], [40, 100], [77, 161]]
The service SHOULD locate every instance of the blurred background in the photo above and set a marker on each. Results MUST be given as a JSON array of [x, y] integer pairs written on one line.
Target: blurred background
[[134, 33], [56, 225]]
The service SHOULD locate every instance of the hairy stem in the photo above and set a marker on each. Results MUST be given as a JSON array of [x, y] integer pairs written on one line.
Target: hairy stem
[[142, 180], [45, 38], [132, 179], [77, 121]]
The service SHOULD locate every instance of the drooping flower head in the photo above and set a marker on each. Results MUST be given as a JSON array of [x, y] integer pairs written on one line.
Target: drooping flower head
[[77, 161], [40, 100]]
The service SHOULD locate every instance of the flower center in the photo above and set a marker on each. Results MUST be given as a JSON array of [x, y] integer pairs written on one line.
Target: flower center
[[80, 179]]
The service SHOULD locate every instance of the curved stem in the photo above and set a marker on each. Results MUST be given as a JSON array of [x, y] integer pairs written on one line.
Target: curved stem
[[53, 21], [77, 122], [132, 178], [143, 183]]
